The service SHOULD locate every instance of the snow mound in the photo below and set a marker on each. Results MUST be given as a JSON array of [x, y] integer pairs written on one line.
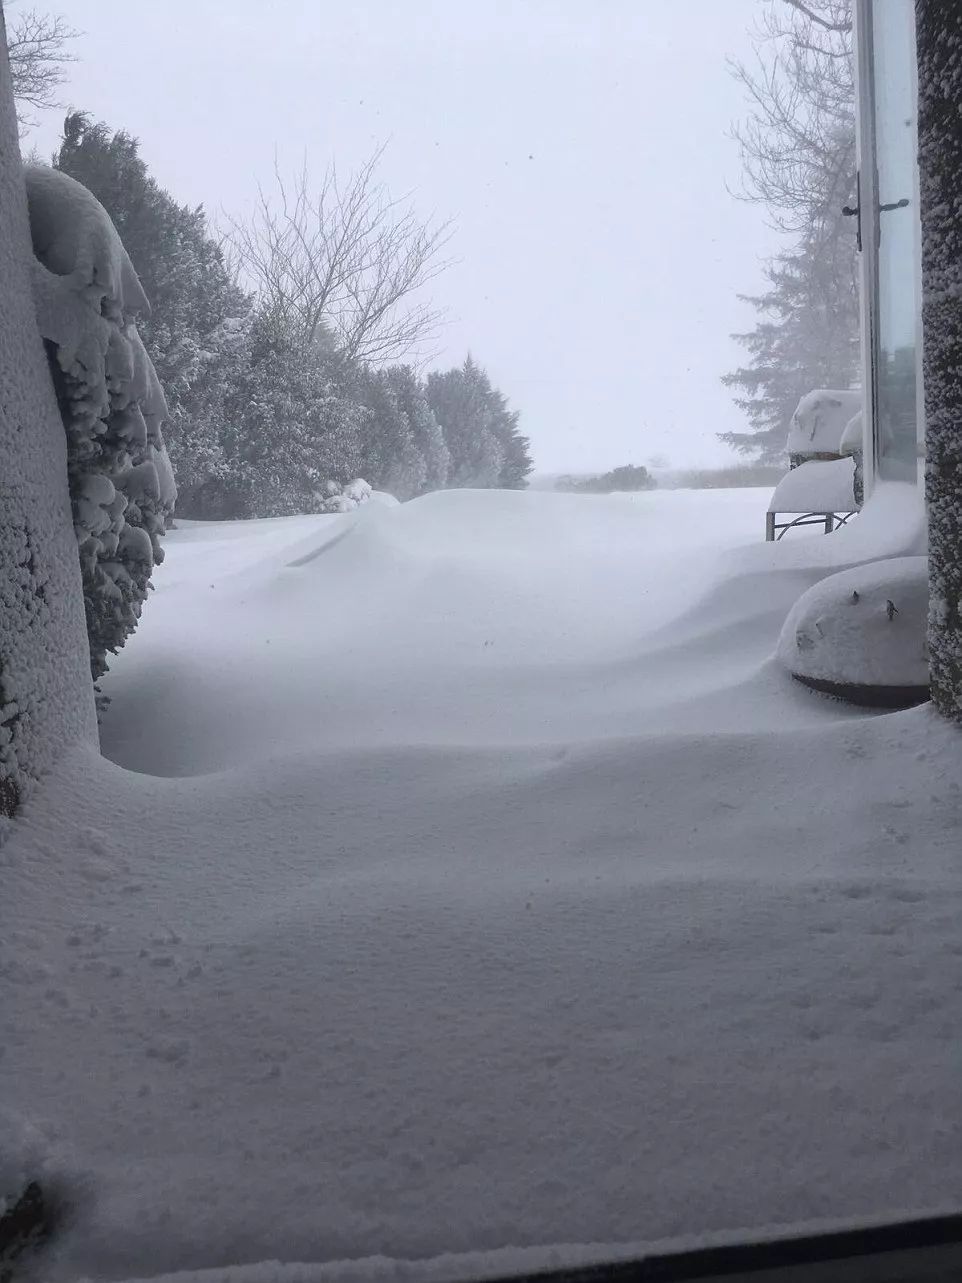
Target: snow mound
[[862, 627], [820, 420], [820, 485], [456, 946], [74, 238]]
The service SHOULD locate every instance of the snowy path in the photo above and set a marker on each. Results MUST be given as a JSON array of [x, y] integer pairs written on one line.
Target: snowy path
[[476, 962]]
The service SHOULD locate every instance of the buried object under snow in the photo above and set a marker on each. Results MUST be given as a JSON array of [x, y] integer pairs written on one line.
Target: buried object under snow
[[860, 634]]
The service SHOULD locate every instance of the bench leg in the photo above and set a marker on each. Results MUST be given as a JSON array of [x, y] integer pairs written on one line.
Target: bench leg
[[829, 522], [769, 527]]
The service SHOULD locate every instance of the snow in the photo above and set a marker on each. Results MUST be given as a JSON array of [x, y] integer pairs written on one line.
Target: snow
[[853, 436], [122, 485], [820, 420], [864, 626], [74, 238], [470, 888], [819, 485]]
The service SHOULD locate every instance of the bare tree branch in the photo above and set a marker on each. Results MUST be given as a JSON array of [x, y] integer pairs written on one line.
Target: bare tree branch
[[36, 43], [829, 24], [801, 119], [343, 258]]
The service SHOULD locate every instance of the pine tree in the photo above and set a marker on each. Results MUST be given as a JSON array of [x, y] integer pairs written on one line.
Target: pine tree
[[435, 458], [481, 433], [186, 278], [390, 458], [806, 337]]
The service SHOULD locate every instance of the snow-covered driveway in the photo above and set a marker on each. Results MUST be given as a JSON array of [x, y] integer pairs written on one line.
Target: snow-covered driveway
[[485, 888]]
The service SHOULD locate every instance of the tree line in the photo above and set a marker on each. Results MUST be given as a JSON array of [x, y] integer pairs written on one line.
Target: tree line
[[284, 347]]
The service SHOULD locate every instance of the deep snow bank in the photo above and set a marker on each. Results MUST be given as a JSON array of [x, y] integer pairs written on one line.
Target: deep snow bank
[[471, 617], [531, 905]]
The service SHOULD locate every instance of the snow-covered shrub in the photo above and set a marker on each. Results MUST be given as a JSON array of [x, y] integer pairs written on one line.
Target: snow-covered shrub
[[121, 484], [335, 498]]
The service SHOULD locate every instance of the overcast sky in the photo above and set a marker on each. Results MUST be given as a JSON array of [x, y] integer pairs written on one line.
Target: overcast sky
[[580, 145]]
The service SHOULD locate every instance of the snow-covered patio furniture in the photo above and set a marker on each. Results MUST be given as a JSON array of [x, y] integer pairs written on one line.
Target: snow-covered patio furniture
[[821, 488], [819, 422], [816, 493]]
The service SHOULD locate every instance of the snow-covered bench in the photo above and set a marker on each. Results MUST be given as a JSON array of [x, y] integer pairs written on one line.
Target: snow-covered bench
[[822, 486], [817, 493]]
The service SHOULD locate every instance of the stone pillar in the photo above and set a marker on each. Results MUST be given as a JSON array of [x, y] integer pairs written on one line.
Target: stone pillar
[[939, 35]]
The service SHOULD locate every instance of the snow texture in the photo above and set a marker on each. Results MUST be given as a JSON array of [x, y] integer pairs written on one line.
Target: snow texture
[[939, 41], [45, 699], [862, 627], [819, 485], [819, 421], [851, 441], [519, 900], [121, 481]]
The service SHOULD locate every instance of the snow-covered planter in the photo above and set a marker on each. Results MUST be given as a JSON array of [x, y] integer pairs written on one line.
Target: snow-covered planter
[[344, 498], [121, 483], [860, 634]]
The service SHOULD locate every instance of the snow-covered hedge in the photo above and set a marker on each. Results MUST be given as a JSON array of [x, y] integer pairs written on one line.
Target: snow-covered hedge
[[121, 483]]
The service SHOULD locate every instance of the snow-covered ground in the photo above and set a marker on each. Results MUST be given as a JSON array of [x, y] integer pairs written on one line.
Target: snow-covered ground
[[468, 885]]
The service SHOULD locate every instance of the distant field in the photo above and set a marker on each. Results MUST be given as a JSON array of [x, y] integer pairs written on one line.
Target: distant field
[[738, 476]]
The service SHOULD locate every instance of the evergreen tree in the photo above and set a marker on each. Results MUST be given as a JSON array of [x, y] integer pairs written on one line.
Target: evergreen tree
[[186, 278], [390, 458], [287, 433], [806, 337], [404, 450], [426, 431], [481, 433]]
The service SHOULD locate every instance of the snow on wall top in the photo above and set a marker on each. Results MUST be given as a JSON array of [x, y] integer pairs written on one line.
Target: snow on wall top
[[820, 419]]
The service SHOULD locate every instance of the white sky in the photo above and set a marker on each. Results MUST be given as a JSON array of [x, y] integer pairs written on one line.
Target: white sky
[[581, 146]]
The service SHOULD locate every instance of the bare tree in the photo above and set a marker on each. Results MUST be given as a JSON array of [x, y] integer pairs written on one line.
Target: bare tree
[[343, 260], [797, 148], [798, 141], [37, 49]]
